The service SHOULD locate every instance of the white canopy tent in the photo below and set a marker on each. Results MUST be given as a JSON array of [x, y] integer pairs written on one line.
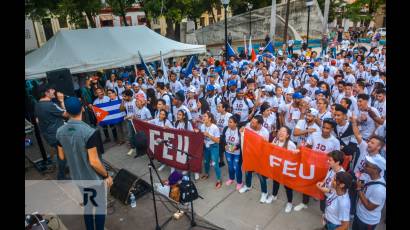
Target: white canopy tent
[[86, 50]]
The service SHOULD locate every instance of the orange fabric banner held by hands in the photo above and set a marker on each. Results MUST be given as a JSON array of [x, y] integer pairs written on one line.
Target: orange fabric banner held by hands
[[299, 171]]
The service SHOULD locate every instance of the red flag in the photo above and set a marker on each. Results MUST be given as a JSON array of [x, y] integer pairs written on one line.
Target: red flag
[[100, 114], [253, 55]]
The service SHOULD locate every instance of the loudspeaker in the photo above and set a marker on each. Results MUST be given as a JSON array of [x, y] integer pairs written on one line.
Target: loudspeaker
[[126, 183], [62, 81]]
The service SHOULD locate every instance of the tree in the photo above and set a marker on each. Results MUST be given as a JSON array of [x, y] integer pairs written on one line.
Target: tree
[[73, 9], [334, 5], [363, 10], [240, 6], [119, 8]]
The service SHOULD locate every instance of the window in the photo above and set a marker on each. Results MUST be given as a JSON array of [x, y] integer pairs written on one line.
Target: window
[[155, 21], [141, 20], [107, 23], [63, 22], [27, 34], [129, 21], [211, 20], [202, 21]]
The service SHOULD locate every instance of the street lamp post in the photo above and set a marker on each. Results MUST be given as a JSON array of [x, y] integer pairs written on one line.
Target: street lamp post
[[250, 6], [309, 3], [225, 4]]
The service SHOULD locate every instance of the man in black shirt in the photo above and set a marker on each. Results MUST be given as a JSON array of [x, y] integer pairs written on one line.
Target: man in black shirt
[[49, 118]]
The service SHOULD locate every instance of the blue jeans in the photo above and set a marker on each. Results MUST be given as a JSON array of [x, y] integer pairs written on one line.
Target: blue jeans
[[331, 226], [61, 164], [131, 134], [333, 50], [324, 51], [234, 166], [94, 222], [262, 179], [212, 153]]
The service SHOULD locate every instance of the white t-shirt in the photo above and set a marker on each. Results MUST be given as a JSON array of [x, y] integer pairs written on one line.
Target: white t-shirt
[[329, 178], [240, 107], [181, 125], [213, 102], [273, 101], [143, 113], [110, 85], [140, 92], [337, 208], [310, 90], [381, 107], [323, 116], [191, 104], [321, 144], [291, 115], [263, 132], [232, 138], [119, 90], [213, 130], [367, 127], [359, 167], [303, 125], [270, 122], [105, 99], [291, 145], [175, 86], [222, 120], [376, 194], [130, 107], [182, 107], [156, 121]]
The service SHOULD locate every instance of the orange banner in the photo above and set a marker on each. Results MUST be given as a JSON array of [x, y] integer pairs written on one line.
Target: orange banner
[[299, 171]]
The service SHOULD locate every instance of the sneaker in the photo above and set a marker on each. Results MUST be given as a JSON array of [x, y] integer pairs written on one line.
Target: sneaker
[[244, 189], [161, 167], [130, 152], [289, 207], [229, 182], [264, 196], [239, 186], [300, 207], [196, 177], [218, 184], [271, 198]]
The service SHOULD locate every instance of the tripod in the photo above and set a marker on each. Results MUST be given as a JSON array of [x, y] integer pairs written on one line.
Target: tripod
[[192, 218]]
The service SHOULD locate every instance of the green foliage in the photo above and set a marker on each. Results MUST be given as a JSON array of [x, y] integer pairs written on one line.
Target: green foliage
[[354, 11], [241, 6], [119, 7]]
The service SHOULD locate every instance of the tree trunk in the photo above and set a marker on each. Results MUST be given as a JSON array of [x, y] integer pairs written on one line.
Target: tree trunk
[[124, 18], [178, 31], [326, 16], [170, 29], [148, 22], [90, 19], [195, 22], [213, 15], [273, 22]]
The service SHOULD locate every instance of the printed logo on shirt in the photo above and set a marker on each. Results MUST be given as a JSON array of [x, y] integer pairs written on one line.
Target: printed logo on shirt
[[320, 147]]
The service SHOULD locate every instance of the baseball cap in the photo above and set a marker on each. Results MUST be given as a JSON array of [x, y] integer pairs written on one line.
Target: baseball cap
[[135, 84], [319, 91], [268, 88], [313, 111], [192, 89], [234, 72], [210, 88], [73, 105], [326, 69], [315, 77], [333, 62], [232, 83], [377, 160], [229, 67], [374, 68], [297, 95]]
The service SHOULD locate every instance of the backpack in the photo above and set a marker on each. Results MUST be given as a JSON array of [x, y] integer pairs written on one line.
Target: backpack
[[215, 99], [246, 102], [188, 192]]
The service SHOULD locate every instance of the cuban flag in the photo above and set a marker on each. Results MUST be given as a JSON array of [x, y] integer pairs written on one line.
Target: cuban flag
[[109, 113]]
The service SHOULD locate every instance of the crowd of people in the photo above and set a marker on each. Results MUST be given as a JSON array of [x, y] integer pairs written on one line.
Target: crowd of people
[[333, 102]]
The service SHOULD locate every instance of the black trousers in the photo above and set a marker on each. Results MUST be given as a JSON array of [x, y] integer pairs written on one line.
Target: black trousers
[[306, 198], [113, 129], [289, 191], [359, 225]]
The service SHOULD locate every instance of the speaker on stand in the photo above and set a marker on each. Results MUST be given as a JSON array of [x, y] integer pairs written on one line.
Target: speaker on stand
[[62, 81], [126, 183]]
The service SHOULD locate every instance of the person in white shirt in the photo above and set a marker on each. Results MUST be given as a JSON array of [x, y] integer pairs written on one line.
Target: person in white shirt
[[178, 104], [231, 144], [111, 83], [192, 104], [242, 106], [174, 85], [312, 86], [256, 126], [335, 159], [337, 213], [367, 116], [323, 111], [326, 78], [322, 142], [128, 105], [372, 195], [283, 140], [142, 112], [269, 119], [380, 102], [289, 114], [162, 120], [161, 78], [306, 127], [212, 98], [138, 91], [211, 149]]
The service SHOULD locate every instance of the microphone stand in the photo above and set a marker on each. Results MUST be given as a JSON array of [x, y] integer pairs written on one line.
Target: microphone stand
[[193, 223]]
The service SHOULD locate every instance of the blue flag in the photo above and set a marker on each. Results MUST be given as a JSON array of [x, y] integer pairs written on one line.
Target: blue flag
[[191, 64], [114, 116], [269, 47], [231, 52], [144, 65]]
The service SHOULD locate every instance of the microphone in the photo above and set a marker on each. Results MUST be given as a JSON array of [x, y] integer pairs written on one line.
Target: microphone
[[165, 142]]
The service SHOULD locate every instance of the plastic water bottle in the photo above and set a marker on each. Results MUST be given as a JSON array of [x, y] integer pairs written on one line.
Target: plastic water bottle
[[133, 202]]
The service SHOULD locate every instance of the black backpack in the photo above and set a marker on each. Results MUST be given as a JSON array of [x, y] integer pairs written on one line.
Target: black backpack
[[188, 192]]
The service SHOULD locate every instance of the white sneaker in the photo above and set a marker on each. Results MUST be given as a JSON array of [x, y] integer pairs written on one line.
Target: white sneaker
[[130, 152], [300, 207], [271, 198], [196, 176], [289, 207], [161, 167], [244, 189], [263, 197]]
